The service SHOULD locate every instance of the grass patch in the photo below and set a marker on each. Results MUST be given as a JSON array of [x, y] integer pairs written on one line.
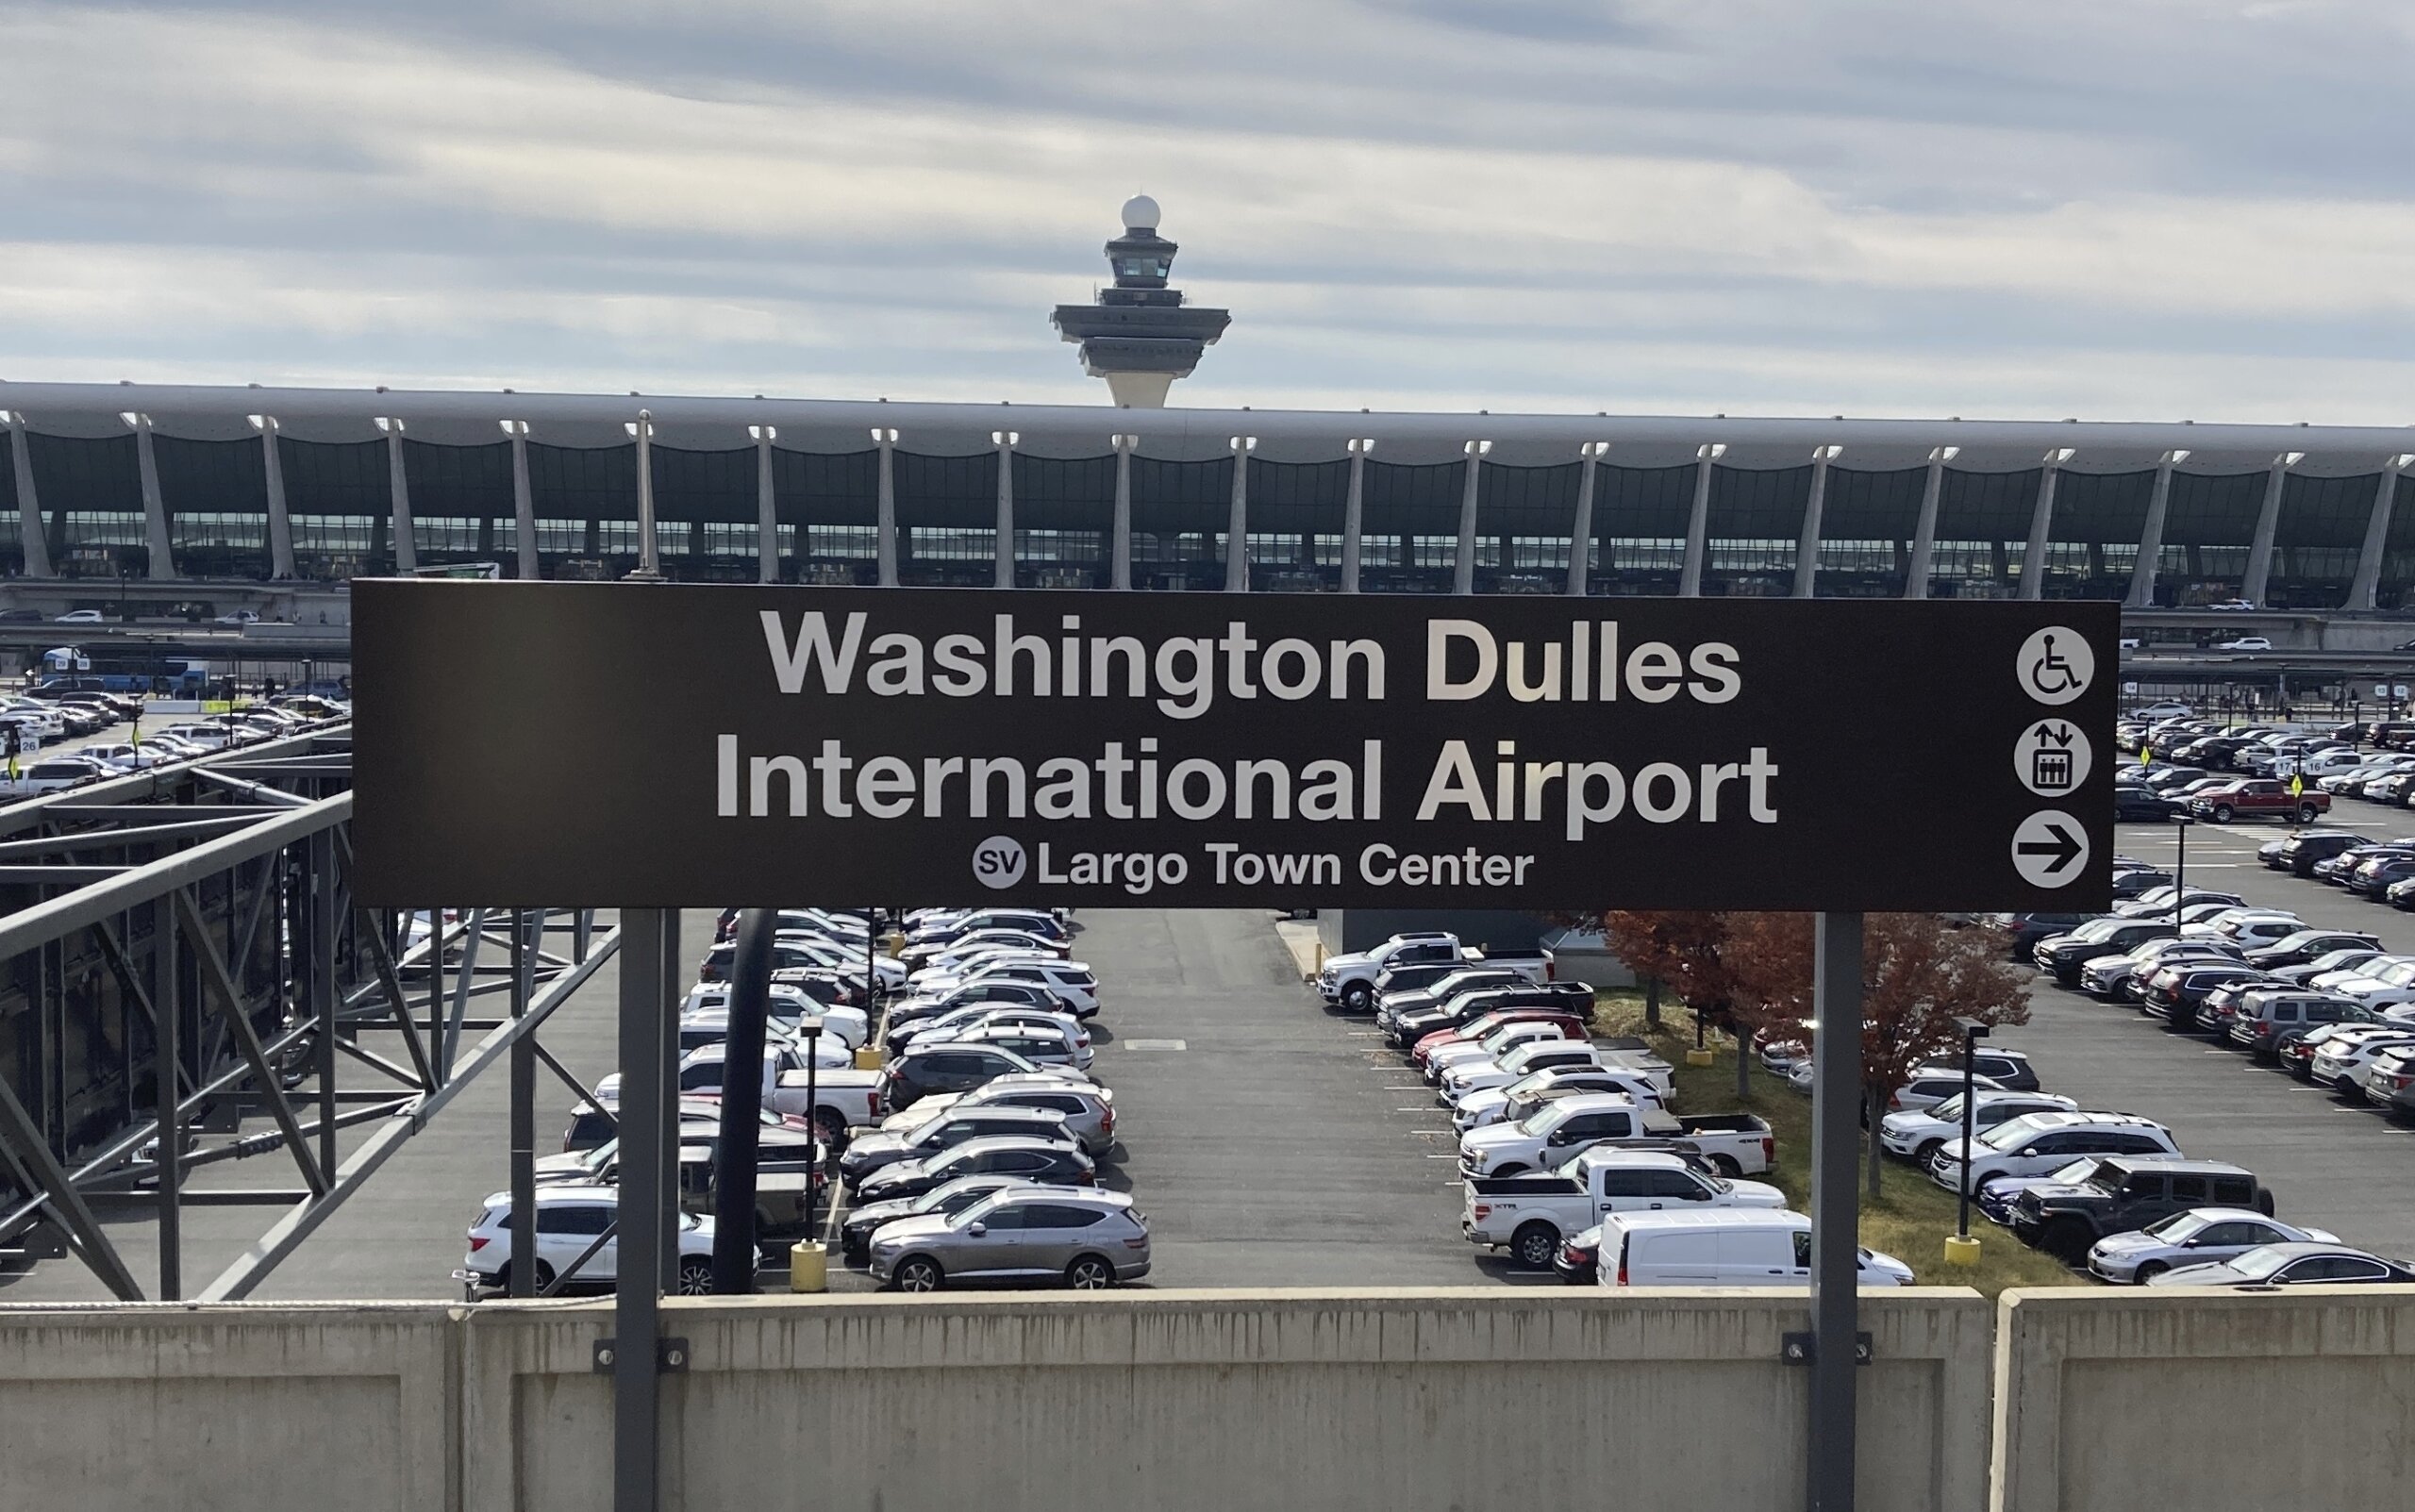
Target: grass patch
[[1912, 1218]]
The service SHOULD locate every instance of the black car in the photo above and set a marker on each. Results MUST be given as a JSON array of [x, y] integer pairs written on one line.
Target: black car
[[2304, 946], [1054, 1162], [2134, 805], [2301, 851], [906, 1018], [2138, 879], [2126, 1194], [950, 1067], [2175, 1000], [2064, 955], [1578, 1258], [2373, 878], [2027, 929]]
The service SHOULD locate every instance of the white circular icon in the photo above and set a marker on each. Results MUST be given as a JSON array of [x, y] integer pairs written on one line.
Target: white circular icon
[[2051, 758], [2056, 665], [2050, 849], [998, 861]]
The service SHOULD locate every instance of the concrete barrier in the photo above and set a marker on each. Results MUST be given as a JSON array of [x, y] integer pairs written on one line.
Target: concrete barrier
[[2205, 1400], [1219, 1401], [168, 1408]]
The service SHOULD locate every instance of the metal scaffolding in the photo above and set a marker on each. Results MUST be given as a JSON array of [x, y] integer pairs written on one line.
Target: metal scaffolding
[[207, 909]]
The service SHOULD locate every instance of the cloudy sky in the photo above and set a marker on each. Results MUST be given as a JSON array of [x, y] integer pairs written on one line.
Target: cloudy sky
[[2110, 208]]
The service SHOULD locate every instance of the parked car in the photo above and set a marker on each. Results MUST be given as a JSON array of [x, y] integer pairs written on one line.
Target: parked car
[[2307, 945], [2259, 798], [1051, 1162], [1520, 1098], [1087, 1110], [2200, 1236], [1917, 1133], [2341, 1062], [944, 1129], [1557, 1132], [2036, 1144], [946, 1067], [946, 1200], [1733, 1248], [570, 1217], [1089, 1240], [2121, 1195], [2063, 956], [2292, 1265], [1529, 1215]]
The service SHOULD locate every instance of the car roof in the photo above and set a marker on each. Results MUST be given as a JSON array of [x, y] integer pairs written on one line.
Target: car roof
[[1601, 1155], [1006, 1141], [1596, 1103], [564, 1191], [1646, 1223], [1091, 1195], [2182, 1167], [2234, 1215]]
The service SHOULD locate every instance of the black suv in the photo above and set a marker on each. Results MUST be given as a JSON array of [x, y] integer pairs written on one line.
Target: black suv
[[2126, 1193], [1467, 1007], [952, 1068], [1001, 991], [2304, 946], [2064, 955], [2027, 929], [2301, 850], [944, 1131]]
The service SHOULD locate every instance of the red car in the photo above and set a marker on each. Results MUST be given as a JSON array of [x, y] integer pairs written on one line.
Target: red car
[[2264, 797], [1476, 1031]]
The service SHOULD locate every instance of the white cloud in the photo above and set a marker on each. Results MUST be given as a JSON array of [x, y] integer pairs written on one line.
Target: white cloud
[[1773, 203]]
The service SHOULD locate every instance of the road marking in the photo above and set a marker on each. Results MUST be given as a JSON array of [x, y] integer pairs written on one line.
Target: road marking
[[1452, 1156], [1156, 1044], [1404, 1087]]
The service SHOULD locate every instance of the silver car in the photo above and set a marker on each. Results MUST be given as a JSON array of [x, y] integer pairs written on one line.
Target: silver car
[[2201, 1236], [1087, 1240], [1088, 1109]]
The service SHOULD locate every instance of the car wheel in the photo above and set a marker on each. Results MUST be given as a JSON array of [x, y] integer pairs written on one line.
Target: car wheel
[[833, 1129], [2307, 813], [2067, 1241], [1534, 1245], [1355, 996], [1089, 1273], [1927, 1151], [695, 1278], [2148, 1271], [917, 1274], [2222, 813], [1727, 1166], [544, 1278]]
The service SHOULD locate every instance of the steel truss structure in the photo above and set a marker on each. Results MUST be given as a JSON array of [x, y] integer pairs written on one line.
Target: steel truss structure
[[203, 912]]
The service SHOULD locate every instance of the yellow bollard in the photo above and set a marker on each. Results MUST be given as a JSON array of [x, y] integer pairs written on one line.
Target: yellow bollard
[[1699, 1057], [1960, 1251], [868, 1057], [809, 1267]]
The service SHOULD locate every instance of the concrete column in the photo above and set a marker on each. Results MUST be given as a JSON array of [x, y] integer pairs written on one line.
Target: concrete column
[[767, 507], [2268, 523], [524, 504], [280, 522], [2042, 523], [1354, 513], [2141, 595], [1236, 525], [155, 508], [1807, 549], [29, 526], [1119, 561], [1463, 562], [1004, 440], [1580, 530], [398, 483], [1698, 522], [885, 535], [2364, 589], [1924, 531]]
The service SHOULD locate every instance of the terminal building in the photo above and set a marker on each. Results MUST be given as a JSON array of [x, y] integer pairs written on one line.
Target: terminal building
[[270, 494]]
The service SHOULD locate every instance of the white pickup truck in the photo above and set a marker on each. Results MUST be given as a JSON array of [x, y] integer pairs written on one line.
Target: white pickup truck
[[843, 1097], [1735, 1144], [1348, 981], [1529, 1216]]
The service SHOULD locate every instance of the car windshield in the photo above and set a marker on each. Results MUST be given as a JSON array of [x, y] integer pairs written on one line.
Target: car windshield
[[978, 1211], [2263, 1262], [1547, 1120], [2177, 1228], [2010, 1134], [1949, 1110]]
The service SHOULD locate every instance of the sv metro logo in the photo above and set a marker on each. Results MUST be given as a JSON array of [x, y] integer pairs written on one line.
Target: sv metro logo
[[998, 861]]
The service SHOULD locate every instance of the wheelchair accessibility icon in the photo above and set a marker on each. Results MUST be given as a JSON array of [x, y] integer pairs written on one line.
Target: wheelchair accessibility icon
[[2056, 665]]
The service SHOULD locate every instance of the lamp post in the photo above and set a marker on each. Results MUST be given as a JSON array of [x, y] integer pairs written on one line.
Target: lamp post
[[649, 568], [1963, 1249], [2180, 868], [812, 1029]]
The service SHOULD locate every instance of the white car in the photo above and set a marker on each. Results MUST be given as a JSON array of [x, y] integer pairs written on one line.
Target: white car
[[238, 617], [130, 758], [1502, 1104], [1074, 981], [2238, 605], [1535, 1055], [205, 737], [78, 617], [1917, 1133], [851, 1027], [2162, 711], [1728, 1247], [1444, 1060], [2036, 1144], [2349, 1052], [54, 773], [2245, 643], [961, 1024], [2382, 986], [569, 1218], [1928, 1085], [847, 960], [2201, 1236]]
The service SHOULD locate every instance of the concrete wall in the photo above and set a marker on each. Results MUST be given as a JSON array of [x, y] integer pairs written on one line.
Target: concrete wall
[[2213, 1402], [165, 1408], [1219, 1401]]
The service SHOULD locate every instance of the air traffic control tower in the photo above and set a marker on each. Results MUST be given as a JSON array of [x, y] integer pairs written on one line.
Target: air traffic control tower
[[1140, 337]]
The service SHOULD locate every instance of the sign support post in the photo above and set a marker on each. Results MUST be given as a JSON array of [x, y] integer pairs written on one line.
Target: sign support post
[[636, 1293], [1835, 1102]]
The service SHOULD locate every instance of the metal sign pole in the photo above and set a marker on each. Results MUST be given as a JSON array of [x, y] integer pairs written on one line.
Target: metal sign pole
[[741, 1101], [637, 1289], [1836, 1202]]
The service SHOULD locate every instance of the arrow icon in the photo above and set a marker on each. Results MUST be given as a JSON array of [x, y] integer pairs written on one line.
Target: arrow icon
[[2065, 848]]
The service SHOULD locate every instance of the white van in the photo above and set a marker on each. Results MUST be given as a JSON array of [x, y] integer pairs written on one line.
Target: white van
[[1730, 1247]]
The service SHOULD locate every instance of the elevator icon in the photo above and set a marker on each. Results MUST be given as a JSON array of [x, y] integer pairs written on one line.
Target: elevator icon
[[2052, 758]]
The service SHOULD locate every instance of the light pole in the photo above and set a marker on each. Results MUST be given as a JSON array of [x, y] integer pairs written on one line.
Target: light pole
[[1963, 1249], [812, 1029], [649, 567], [2180, 868]]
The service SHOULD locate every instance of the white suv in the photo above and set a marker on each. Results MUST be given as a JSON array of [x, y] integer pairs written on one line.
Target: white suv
[[569, 1219], [2349, 1052], [2382, 986], [2036, 1144], [1919, 1133]]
